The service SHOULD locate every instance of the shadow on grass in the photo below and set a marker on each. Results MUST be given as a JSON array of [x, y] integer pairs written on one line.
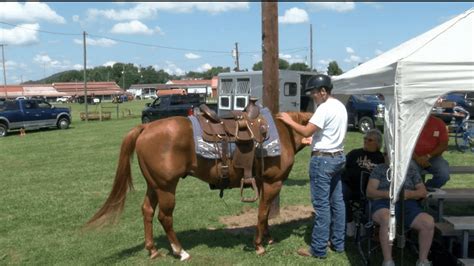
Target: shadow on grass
[[299, 182], [222, 238]]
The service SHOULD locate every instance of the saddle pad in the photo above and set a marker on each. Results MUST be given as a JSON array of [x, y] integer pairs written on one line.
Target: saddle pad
[[209, 150]]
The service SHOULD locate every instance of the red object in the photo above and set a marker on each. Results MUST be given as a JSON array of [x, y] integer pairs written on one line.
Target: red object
[[191, 111], [432, 134]]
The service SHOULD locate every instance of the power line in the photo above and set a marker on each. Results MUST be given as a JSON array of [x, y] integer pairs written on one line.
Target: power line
[[43, 31], [147, 44]]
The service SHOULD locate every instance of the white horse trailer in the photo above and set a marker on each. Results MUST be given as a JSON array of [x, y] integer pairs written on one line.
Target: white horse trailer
[[235, 89]]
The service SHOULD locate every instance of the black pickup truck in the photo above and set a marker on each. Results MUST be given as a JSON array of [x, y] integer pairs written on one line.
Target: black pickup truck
[[173, 105]]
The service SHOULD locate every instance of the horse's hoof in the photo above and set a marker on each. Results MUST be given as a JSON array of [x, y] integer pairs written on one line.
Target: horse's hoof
[[155, 254], [260, 251], [270, 241]]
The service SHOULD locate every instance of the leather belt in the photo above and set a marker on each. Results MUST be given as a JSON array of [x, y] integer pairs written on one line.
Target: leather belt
[[328, 154]]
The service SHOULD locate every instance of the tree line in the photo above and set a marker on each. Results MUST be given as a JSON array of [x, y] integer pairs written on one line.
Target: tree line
[[127, 74]]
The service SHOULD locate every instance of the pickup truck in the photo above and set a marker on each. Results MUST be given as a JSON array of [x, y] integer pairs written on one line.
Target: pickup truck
[[173, 105], [365, 111], [31, 114]]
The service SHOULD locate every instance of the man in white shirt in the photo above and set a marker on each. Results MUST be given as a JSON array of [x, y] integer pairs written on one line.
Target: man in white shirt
[[327, 127]]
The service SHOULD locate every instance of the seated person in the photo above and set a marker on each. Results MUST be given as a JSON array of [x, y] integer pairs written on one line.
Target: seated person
[[378, 191], [358, 160], [431, 144]]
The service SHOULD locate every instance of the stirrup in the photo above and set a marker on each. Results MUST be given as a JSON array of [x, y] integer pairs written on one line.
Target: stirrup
[[248, 181]]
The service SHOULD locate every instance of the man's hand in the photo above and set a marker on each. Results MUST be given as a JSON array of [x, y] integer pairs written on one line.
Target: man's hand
[[422, 161], [307, 141], [284, 117]]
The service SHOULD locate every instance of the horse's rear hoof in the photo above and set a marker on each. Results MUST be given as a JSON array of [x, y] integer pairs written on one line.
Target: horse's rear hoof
[[155, 254], [260, 251], [270, 241]]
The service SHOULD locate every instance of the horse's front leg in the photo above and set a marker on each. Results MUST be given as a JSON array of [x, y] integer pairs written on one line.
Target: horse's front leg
[[268, 194], [148, 211], [166, 206]]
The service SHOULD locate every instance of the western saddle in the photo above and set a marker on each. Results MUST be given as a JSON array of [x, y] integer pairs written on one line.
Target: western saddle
[[247, 129]]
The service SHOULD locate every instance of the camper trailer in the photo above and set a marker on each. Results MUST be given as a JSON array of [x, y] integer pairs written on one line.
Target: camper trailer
[[235, 89]]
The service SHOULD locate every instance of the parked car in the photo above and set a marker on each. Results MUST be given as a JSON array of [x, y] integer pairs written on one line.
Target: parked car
[[463, 99], [63, 99], [365, 111], [444, 108], [172, 105], [31, 114]]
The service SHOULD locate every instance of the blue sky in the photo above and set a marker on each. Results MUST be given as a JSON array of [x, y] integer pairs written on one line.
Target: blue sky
[[202, 35]]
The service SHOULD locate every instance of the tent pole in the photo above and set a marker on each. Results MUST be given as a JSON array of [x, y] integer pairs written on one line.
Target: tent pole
[[401, 237]]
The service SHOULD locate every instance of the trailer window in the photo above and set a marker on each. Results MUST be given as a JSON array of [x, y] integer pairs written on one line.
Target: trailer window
[[243, 86], [224, 102], [240, 102], [290, 89], [226, 86]]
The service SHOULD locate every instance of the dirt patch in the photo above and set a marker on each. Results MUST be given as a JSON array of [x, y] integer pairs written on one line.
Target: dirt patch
[[247, 220]]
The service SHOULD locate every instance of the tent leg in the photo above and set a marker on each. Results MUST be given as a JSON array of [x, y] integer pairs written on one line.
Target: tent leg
[[401, 237]]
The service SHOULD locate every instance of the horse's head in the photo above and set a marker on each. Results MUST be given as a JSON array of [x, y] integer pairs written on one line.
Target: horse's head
[[303, 119]]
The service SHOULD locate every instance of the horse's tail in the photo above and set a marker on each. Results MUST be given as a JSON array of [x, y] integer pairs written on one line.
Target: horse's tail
[[115, 203]]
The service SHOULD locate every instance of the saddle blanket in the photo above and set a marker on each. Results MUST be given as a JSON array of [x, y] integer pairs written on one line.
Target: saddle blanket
[[209, 150]]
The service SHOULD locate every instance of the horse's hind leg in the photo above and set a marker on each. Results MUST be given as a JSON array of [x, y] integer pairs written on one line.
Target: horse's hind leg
[[166, 206], [148, 211]]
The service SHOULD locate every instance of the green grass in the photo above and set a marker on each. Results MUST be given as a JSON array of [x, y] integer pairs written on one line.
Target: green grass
[[53, 181]]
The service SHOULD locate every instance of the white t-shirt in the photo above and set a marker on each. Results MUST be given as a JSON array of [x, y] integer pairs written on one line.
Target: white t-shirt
[[331, 118]]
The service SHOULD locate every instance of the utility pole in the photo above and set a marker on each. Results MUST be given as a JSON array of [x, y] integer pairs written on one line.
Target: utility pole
[[270, 70], [237, 67], [123, 76], [311, 46], [85, 75], [4, 72]]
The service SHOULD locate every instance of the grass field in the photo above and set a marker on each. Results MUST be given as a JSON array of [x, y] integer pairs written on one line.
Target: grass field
[[53, 181]]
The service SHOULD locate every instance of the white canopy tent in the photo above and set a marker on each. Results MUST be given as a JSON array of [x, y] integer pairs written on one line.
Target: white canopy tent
[[411, 77]]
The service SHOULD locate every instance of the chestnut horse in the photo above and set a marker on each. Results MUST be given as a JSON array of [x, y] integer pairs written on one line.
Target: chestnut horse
[[166, 152]]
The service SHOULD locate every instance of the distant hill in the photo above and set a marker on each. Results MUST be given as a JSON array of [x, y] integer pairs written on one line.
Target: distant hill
[[65, 76]]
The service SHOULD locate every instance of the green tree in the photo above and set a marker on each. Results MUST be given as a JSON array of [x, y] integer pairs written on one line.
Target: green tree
[[334, 69], [282, 64], [299, 67]]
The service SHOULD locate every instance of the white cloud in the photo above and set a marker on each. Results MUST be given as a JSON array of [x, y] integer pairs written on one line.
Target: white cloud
[[294, 16], [292, 59], [192, 56], [324, 61], [353, 59], [173, 69], [29, 12], [109, 63], [46, 61], [13, 65], [103, 42], [204, 67], [159, 31], [349, 50], [21, 35], [378, 52], [76, 18], [284, 56], [219, 7], [150, 10], [333, 6], [78, 67], [132, 27]]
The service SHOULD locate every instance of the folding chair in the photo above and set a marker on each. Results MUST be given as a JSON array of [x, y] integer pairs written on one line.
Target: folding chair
[[365, 227]]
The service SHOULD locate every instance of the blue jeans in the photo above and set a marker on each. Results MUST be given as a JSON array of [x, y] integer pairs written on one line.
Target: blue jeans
[[439, 169], [328, 203]]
